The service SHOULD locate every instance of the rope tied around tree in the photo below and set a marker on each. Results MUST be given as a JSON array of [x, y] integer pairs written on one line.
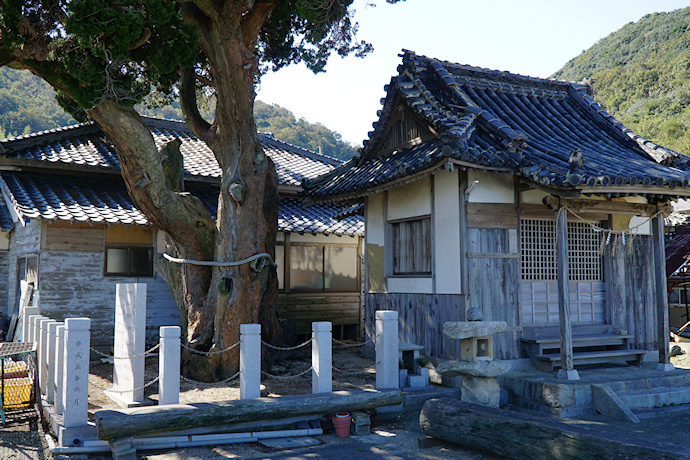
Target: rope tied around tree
[[213, 263]]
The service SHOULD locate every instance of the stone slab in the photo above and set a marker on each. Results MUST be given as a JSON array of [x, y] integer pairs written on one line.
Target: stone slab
[[289, 443], [493, 368], [481, 390], [468, 329]]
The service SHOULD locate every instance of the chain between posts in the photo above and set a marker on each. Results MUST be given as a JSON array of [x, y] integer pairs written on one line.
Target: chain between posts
[[207, 353], [105, 355], [286, 377], [210, 384], [353, 345], [93, 384], [351, 373], [287, 348]]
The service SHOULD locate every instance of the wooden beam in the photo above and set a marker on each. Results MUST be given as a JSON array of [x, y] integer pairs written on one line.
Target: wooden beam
[[143, 421], [663, 328], [510, 434], [580, 205], [567, 371]]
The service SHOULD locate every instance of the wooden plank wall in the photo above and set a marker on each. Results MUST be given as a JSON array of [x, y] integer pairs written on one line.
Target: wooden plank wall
[[632, 296], [420, 319], [304, 308], [4, 277], [493, 284]]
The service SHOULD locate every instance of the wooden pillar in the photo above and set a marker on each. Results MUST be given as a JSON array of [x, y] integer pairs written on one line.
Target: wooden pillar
[[567, 371], [663, 332]]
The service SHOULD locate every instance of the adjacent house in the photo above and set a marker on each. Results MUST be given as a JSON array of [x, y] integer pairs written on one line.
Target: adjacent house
[[521, 197], [69, 226]]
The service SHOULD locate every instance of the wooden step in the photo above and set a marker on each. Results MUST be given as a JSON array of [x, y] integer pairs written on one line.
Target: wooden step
[[551, 361], [580, 340]]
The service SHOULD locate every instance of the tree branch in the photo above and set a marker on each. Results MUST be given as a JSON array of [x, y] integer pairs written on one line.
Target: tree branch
[[253, 21], [190, 109]]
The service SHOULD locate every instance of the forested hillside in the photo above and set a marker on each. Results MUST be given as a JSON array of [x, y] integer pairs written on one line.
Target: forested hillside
[[642, 76], [27, 104]]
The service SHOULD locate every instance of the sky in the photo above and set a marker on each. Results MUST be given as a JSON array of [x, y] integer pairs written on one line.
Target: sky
[[529, 37]]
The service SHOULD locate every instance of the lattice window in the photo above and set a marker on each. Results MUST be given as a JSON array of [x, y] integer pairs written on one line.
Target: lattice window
[[538, 240]]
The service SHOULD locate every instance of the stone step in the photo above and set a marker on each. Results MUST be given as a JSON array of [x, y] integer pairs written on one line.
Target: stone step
[[595, 357], [656, 397]]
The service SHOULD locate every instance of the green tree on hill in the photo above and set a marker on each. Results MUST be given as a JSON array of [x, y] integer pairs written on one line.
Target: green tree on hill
[[641, 76]]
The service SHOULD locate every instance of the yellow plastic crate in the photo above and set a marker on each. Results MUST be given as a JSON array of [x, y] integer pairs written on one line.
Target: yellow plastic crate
[[17, 393]]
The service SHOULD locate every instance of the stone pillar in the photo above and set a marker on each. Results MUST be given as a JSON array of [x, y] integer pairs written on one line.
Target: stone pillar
[[50, 359], [663, 328], [32, 334], [130, 340], [387, 375], [250, 361], [43, 354], [26, 322], [75, 383], [321, 357], [59, 367], [169, 366]]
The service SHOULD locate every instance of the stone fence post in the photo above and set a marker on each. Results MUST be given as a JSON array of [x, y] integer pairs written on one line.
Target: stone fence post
[[387, 375], [26, 322], [169, 366], [43, 354], [75, 381], [32, 334], [59, 367], [321, 357], [51, 361], [250, 361]]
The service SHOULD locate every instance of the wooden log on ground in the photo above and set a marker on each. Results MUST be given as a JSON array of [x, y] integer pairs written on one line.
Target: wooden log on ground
[[143, 421], [516, 435]]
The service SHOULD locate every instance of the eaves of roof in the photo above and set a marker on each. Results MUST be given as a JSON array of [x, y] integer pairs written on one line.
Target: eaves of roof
[[549, 132]]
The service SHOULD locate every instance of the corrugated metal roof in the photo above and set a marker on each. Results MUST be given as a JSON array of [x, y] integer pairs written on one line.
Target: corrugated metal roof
[[536, 128]]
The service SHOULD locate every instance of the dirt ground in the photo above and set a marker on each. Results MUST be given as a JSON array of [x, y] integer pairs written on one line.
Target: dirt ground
[[24, 438]]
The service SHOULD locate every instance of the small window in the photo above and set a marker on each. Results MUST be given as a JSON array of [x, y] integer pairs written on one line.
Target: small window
[[129, 261], [323, 268], [412, 247]]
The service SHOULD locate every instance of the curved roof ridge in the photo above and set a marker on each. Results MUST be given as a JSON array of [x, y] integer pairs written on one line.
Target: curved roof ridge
[[11, 144]]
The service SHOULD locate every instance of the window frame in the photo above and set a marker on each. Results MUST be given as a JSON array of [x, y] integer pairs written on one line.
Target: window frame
[[128, 274], [287, 244], [391, 240]]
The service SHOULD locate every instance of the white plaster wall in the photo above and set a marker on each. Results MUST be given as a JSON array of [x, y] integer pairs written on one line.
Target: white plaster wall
[[644, 229], [410, 285], [491, 188], [447, 232], [410, 200], [4, 241], [374, 220], [532, 197]]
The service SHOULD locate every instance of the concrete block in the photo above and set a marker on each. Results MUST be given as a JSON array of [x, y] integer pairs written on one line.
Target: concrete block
[[416, 381], [609, 404], [361, 423]]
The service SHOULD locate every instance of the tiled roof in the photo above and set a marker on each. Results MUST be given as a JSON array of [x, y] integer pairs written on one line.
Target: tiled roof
[[677, 250], [86, 146], [6, 222], [105, 200], [550, 132]]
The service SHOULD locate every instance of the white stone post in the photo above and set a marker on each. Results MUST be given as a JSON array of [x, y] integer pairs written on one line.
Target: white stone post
[[33, 325], [250, 361], [130, 340], [43, 354], [50, 360], [59, 367], [26, 323], [75, 383], [387, 375], [321, 357], [169, 366]]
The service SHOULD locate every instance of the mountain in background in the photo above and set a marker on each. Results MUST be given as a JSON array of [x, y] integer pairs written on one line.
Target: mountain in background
[[27, 104], [642, 76]]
